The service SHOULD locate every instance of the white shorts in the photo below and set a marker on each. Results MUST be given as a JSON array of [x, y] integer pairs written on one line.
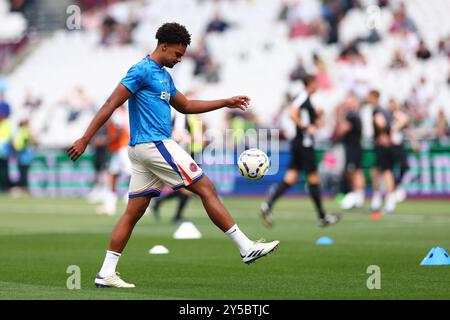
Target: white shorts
[[155, 164], [120, 163]]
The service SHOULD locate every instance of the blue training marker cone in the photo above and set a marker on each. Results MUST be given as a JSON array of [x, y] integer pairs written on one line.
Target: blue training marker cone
[[436, 257], [324, 240]]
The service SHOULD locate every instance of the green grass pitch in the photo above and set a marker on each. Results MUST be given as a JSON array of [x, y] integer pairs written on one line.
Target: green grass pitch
[[40, 238]]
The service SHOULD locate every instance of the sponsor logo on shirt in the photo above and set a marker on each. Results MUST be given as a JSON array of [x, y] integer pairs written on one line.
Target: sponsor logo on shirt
[[165, 96]]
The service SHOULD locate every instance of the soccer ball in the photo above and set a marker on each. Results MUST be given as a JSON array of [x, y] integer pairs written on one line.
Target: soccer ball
[[253, 164]]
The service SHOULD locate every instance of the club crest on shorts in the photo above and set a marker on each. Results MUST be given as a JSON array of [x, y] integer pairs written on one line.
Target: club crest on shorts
[[193, 167]]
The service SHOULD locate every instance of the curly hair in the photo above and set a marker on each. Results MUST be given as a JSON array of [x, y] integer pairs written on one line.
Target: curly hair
[[173, 33]]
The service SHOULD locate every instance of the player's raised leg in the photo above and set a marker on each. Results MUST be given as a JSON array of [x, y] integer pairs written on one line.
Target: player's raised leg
[[250, 250]]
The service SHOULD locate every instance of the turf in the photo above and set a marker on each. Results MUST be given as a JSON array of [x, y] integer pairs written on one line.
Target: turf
[[40, 238]]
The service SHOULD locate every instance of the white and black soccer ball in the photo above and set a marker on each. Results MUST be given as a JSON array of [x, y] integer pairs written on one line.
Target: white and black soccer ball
[[253, 164]]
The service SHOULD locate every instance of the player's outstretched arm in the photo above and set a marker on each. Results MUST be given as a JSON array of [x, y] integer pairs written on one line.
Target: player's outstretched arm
[[186, 106], [116, 99]]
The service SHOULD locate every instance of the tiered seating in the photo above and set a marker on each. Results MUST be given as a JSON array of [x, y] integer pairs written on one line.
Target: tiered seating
[[256, 57]]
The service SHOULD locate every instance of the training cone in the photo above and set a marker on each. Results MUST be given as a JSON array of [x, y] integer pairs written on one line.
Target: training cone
[[375, 215], [158, 250], [187, 230], [436, 257], [324, 240]]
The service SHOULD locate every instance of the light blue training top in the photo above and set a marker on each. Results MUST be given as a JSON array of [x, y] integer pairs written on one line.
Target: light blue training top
[[149, 106]]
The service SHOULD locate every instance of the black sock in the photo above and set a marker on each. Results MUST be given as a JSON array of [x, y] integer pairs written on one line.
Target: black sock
[[399, 178], [344, 185], [314, 191], [277, 192], [183, 200]]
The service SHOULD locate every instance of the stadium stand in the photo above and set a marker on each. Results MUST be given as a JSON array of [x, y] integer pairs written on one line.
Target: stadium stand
[[255, 56]]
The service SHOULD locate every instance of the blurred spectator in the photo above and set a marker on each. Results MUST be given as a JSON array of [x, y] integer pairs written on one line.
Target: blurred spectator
[[23, 145], [349, 52], [419, 101], [321, 72], [426, 128], [6, 131], [109, 30], [114, 33], [302, 23], [87, 4], [204, 65], [284, 10], [31, 102], [239, 122], [448, 77], [299, 72], [2, 84], [401, 21], [297, 17], [356, 76], [423, 52], [217, 24], [442, 127], [5, 108], [425, 93], [78, 101], [19, 5], [372, 37], [278, 115], [397, 61], [408, 42], [383, 3], [444, 47], [237, 119], [332, 12], [91, 20]]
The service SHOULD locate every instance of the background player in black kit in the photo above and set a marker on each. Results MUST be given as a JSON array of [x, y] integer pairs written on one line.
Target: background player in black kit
[[303, 157], [349, 131], [384, 154], [400, 132]]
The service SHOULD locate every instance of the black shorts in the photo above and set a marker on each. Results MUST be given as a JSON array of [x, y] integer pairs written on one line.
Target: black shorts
[[353, 158], [302, 158], [400, 157], [385, 158], [101, 159]]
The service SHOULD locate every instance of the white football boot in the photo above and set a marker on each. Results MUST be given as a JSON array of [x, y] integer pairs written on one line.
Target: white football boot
[[377, 201], [400, 194], [390, 203], [349, 201], [109, 205], [259, 249], [112, 281]]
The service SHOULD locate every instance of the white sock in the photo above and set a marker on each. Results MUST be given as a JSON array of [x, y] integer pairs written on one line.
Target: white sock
[[240, 239], [360, 195], [109, 264]]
